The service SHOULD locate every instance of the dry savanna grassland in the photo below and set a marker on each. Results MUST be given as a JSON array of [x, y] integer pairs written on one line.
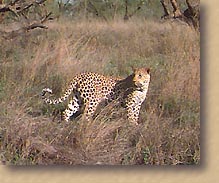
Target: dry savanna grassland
[[169, 126]]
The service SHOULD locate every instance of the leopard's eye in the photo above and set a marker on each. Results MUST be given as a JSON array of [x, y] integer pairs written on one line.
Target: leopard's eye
[[139, 75]]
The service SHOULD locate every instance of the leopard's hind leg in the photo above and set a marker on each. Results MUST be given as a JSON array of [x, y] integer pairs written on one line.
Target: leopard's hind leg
[[90, 108], [73, 107]]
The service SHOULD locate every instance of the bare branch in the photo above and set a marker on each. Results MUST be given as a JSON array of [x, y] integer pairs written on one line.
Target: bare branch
[[166, 11], [176, 10], [193, 14], [20, 10], [17, 8], [189, 16], [189, 6], [126, 17], [44, 19], [14, 33], [35, 25]]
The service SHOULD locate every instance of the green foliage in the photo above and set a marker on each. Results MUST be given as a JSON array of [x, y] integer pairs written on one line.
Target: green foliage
[[146, 155], [106, 10]]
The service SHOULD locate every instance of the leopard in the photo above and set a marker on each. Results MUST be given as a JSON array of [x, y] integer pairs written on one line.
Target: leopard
[[89, 89]]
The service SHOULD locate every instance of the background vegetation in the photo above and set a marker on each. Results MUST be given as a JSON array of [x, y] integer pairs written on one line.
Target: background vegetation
[[169, 127]]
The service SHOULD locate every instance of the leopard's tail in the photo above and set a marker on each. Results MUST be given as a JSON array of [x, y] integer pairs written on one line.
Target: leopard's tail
[[61, 99]]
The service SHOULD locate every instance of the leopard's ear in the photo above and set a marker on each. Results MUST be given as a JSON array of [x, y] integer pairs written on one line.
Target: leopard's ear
[[133, 68], [148, 70]]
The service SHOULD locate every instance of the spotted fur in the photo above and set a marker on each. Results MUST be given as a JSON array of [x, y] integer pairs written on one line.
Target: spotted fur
[[90, 89]]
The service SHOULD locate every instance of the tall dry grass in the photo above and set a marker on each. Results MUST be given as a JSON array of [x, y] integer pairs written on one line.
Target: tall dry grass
[[169, 127]]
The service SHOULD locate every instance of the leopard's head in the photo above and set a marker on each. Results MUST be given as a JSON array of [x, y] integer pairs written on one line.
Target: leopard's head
[[141, 77]]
